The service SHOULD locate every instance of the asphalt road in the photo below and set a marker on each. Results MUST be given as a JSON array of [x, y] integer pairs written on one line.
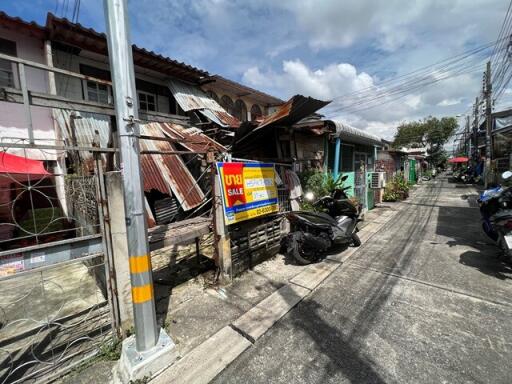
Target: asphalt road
[[424, 301]]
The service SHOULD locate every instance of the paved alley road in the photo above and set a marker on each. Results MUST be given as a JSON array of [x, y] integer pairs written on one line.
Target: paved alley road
[[424, 301]]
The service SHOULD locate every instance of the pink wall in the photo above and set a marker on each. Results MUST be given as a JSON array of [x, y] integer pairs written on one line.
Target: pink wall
[[12, 116]]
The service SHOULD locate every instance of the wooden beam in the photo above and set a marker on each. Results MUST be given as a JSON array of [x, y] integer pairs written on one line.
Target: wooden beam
[[44, 67], [37, 99]]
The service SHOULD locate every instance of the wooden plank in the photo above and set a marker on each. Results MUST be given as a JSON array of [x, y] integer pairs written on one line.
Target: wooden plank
[[183, 232]]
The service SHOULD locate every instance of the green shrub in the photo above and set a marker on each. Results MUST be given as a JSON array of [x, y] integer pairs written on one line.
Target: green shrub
[[397, 189], [320, 183]]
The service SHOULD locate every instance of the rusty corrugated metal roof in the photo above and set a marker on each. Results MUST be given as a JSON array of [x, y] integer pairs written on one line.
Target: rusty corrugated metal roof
[[90, 129], [165, 173], [173, 170], [193, 98], [294, 110], [221, 118], [192, 139]]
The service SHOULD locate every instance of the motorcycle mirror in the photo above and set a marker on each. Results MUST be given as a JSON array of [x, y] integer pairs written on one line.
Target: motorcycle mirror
[[506, 175], [310, 196]]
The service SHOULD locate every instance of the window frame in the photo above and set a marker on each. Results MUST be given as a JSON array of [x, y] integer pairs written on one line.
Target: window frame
[[85, 87], [146, 94], [14, 79]]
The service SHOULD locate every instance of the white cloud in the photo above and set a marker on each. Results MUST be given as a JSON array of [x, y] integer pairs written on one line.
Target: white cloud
[[296, 77], [393, 24], [351, 89], [449, 102], [413, 101]]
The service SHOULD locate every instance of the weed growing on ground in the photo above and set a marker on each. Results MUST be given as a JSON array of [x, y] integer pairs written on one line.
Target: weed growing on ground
[[111, 350]]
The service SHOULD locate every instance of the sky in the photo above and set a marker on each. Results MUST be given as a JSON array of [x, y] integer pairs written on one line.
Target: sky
[[320, 48]]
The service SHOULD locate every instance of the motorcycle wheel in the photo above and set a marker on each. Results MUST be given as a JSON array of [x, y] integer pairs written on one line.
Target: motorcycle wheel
[[302, 256], [356, 241]]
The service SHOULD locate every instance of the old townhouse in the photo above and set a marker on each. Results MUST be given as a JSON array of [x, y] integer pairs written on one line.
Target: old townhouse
[[167, 92]]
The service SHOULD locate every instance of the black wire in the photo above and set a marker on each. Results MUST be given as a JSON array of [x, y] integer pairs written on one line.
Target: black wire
[[457, 66], [427, 69], [402, 91]]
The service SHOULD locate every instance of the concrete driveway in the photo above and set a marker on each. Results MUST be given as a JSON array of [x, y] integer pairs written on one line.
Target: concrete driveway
[[423, 301]]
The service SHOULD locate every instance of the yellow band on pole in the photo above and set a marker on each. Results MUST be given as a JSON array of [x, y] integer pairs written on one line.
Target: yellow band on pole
[[139, 264], [142, 294]]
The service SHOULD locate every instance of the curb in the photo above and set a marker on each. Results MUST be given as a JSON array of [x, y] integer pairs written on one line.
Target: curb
[[206, 361]]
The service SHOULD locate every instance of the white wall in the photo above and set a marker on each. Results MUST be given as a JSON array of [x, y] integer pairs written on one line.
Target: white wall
[[12, 116]]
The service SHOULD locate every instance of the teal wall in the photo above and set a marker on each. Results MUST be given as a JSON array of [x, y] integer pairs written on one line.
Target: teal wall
[[350, 181], [346, 166]]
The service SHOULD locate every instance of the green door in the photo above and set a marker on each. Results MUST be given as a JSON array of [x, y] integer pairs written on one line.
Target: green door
[[412, 171]]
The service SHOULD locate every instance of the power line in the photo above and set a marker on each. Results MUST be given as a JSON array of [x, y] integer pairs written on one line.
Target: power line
[[500, 59], [442, 64], [385, 96], [377, 94]]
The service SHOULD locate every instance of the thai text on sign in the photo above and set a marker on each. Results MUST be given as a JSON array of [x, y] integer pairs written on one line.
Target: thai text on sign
[[249, 190]]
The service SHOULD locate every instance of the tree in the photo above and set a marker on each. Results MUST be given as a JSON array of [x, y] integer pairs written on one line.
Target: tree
[[431, 132]]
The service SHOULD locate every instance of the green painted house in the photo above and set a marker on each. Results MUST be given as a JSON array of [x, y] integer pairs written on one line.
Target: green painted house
[[351, 151]]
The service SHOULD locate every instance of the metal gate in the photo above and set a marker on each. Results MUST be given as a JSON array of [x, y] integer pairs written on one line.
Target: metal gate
[[54, 306]]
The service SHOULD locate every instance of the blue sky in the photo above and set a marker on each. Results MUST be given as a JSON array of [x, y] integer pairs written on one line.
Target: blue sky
[[322, 48]]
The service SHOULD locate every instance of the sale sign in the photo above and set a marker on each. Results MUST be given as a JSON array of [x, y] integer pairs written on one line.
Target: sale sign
[[249, 190]]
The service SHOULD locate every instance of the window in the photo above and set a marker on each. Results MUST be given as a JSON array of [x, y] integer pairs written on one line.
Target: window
[[256, 112], [240, 110], [147, 102], [213, 96], [7, 77], [227, 104], [99, 93]]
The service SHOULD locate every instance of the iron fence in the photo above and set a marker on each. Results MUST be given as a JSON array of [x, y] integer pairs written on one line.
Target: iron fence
[[54, 307]]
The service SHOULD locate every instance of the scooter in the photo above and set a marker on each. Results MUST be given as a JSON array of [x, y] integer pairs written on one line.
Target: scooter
[[334, 223], [496, 211]]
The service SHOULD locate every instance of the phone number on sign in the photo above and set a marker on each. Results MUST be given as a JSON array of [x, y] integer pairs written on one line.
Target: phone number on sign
[[264, 210]]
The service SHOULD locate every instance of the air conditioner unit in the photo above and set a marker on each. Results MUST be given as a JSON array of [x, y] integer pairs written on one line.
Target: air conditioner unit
[[377, 180]]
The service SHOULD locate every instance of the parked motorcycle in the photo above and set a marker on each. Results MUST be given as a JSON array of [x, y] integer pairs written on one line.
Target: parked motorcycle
[[496, 211], [333, 223]]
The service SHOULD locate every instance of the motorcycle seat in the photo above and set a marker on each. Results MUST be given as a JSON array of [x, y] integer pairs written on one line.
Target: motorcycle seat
[[317, 218]]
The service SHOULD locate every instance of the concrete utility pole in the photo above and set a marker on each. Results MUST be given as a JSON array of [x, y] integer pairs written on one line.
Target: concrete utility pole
[[144, 357], [475, 129], [467, 138], [488, 122]]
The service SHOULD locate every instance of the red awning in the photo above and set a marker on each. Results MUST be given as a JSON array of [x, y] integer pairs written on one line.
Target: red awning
[[13, 164], [459, 160]]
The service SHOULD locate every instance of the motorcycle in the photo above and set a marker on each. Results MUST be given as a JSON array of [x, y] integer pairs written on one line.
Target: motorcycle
[[333, 223], [496, 211]]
